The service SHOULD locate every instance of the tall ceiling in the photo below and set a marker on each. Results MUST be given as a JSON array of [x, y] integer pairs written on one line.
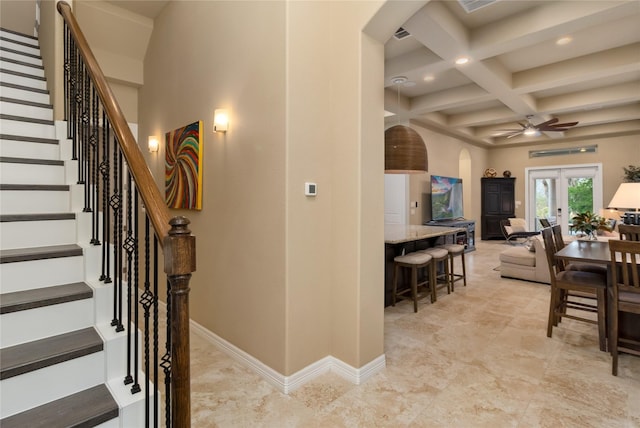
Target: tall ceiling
[[517, 69]]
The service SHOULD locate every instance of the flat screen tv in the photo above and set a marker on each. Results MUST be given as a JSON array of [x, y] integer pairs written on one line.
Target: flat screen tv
[[446, 198]]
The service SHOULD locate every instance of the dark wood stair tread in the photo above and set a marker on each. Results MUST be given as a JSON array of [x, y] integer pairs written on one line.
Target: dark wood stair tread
[[86, 408], [51, 187], [36, 217], [31, 161], [27, 139], [24, 88], [39, 253], [47, 296], [26, 119], [26, 103], [27, 357]]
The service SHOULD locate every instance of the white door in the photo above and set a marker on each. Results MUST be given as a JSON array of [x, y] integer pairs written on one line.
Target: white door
[[396, 195], [558, 193]]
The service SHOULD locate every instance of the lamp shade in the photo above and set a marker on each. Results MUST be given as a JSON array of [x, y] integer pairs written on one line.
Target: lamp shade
[[404, 151], [627, 196]]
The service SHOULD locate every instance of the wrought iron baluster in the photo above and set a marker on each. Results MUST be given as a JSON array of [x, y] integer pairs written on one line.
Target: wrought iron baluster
[[95, 147], [129, 246], [78, 119], [166, 358], [106, 188], [116, 206], [146, 301], [67, 68], [156, 398], [136, 315]]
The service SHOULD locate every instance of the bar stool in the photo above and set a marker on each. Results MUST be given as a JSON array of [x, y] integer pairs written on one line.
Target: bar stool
[[439, 254], [413, 261], [456, 250]]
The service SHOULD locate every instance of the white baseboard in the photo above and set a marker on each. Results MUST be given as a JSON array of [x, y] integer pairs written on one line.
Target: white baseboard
[[287, 384]]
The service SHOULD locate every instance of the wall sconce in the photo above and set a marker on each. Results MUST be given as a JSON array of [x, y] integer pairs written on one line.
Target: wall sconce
[[153, 144], [220, 120]]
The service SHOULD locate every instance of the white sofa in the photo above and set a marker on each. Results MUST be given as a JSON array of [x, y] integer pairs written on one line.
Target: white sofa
[[528, 262]]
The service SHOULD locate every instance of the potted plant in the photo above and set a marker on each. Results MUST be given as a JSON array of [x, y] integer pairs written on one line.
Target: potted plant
[[589, 223]]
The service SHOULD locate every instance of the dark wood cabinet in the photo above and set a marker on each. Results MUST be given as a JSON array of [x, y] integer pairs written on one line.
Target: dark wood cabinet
[[498, 203]]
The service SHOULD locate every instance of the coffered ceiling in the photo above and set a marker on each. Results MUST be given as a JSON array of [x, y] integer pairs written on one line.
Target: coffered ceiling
[[517, 69]]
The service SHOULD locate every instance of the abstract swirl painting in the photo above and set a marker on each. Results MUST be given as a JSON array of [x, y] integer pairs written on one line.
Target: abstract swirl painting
[[183, 167]]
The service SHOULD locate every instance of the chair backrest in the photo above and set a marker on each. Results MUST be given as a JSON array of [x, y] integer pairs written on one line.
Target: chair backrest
[[544, 222], [550, 251], [557, 237], [630, 232], [626, 277]]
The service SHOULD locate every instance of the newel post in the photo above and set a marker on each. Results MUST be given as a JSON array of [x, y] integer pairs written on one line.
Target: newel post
[[179, 262]]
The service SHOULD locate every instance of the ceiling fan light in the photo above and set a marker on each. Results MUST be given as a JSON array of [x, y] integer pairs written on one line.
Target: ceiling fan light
[[404, 151], [531, 132]]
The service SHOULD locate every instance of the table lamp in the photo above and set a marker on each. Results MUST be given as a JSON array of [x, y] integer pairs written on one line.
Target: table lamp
[[627, 197]]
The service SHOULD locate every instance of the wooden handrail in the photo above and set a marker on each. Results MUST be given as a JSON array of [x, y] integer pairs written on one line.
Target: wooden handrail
[[153, 201], [173, 234]]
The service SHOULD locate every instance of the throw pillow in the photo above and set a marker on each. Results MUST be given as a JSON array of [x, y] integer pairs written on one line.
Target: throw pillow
[[518, 225]]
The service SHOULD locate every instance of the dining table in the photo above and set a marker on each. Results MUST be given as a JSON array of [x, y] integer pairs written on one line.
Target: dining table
[[597, 251], [403, 239]]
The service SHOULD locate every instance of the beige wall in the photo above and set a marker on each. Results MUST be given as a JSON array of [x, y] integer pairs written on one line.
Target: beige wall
[[280, 275], [444, 159], [18, 15], [444, 152], [119, 40], [613, 153]]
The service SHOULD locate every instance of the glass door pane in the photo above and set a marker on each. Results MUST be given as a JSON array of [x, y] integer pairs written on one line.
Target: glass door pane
[[559, 193], [580, 197], [545, 201]]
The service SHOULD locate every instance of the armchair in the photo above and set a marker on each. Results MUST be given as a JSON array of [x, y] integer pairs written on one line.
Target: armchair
[[515, 231]]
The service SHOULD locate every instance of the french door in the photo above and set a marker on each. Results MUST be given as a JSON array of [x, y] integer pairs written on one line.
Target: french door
[[557, 193]]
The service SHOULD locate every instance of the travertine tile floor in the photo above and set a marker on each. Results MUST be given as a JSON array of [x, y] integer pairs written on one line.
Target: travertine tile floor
[[479, 357]]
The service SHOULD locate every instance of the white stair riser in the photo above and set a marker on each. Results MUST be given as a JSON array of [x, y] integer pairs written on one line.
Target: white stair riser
[[27, 129], [20, 68], [24, 234], [38, 387], [23, 110], [33, 324], [34, 201], [21, 276], [132, 408], [19, 38], [23, 81], [9, 44], [29, 150], [23, 58], [27, 173], [24, 95]]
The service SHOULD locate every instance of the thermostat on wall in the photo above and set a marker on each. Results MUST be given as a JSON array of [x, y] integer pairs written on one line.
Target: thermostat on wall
[[310, 189]]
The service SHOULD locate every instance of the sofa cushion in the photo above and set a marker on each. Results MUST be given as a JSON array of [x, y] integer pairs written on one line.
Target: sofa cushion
[[518, 256]]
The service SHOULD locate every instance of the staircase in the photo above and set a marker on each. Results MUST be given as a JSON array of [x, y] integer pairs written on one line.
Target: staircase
[[61, 362]]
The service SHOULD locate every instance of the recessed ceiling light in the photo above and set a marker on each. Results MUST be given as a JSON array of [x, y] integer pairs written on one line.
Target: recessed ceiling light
[[462, 60], [564, 40], [429, 78]]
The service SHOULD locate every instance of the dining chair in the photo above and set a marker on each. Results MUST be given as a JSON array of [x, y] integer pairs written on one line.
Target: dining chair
[[569, 290], [581, 266], [625, 295], [629, 232], [544, 222]]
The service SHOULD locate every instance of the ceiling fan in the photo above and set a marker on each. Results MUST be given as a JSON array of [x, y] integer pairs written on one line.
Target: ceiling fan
[[531, 130]]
